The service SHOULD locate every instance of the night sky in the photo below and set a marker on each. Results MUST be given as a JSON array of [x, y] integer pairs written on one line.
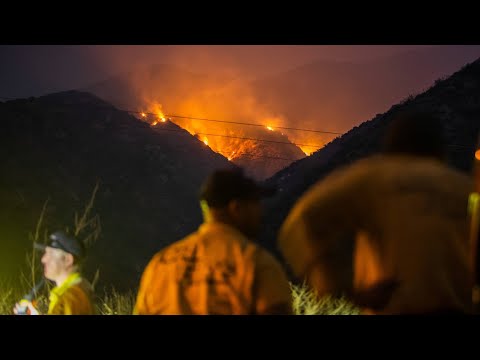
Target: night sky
[[42, 69], [260, 88]]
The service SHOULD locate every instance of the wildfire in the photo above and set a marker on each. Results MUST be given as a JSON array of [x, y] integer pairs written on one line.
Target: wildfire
[[154, 108], [231, 156], [233, 142], [307, 150]]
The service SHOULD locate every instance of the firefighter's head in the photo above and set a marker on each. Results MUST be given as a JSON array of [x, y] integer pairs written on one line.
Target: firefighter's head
[[231, 197], [62, 256], [415, 133]]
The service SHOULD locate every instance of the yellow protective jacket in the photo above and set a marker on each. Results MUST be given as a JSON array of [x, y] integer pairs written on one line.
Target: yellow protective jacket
[[73, 297], [215, 270], [386, 218]]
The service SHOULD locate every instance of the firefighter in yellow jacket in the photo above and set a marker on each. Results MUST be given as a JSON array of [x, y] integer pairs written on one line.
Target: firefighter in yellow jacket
[[72, 294], [218, 269], [389, 231]]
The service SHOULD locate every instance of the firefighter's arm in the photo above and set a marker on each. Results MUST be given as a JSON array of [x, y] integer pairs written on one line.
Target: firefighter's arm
[[271, 289], [149, 288], [317, 237]]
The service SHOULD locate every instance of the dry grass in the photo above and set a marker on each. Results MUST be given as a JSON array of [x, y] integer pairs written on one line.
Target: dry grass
[[306, 302], [87, 228], [115, 303], [10, 295]]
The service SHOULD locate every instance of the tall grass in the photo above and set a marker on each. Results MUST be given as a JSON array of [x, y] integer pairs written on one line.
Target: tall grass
[[87, 228], [115, 303], [305, 302]]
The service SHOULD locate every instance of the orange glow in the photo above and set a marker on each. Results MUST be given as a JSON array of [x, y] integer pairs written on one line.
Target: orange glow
[[198, 104], [231, 156], [311, 139], [230, 143], [226, 145], [154, 107], [477, 154], [307, 150], [144, 115], [234, 141]]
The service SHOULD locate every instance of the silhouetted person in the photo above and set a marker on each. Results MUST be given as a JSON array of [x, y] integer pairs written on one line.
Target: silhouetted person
[[389, 231], [217, 269]]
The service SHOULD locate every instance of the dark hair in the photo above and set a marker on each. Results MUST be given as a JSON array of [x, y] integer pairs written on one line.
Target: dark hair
[[415, 133], [222, 186]]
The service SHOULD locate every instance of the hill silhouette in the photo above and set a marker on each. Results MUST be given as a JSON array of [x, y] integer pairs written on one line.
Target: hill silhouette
[[58, 146]]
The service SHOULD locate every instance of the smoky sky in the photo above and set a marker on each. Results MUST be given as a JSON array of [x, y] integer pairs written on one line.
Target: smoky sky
[[308, 95], [41, 69]]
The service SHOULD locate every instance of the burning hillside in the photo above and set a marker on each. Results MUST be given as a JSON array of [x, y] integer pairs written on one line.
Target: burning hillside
[[261, 150], [221, 112]]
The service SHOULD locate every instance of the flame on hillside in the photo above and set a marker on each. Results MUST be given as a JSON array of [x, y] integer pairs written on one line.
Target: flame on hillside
[[230, 140], [235, 140], [231, 97]]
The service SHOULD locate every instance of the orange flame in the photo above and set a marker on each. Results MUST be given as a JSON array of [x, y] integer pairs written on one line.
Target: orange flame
[[233, 141], [231, 156]]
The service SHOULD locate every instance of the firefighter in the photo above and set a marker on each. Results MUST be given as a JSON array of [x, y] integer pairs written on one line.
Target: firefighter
[[218, 269], [72, 295], [390, 231]]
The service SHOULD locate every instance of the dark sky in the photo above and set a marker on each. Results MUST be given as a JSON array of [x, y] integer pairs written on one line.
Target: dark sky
[[41, 69]]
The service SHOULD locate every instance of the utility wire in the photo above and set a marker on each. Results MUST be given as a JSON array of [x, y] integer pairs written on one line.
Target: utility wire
[[242, 138], [206, 119]]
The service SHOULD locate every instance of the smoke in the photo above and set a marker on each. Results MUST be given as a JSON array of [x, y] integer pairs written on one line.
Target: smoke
[[252, 61], [226, 95], [329, 88]]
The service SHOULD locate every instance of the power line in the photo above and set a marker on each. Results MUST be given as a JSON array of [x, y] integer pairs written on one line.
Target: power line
[[184, 131], [242, 138], [206, 119], [263, 157], [253, 157], [264, 140], [250, 124], [232, 122]]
